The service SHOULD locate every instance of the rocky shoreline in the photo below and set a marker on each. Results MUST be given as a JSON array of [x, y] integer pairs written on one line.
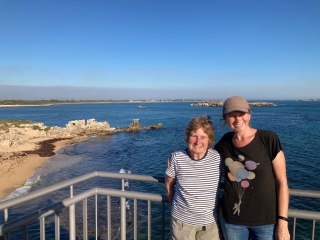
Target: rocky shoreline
[[26, 147]]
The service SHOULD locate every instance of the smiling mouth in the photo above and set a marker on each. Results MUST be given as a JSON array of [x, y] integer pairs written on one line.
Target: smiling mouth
[[238, 124], [198, 146]]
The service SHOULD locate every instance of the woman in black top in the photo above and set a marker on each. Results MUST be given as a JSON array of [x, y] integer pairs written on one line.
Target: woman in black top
[[256, 194]]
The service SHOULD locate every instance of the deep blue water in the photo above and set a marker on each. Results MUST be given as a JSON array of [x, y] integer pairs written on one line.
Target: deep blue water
[[145, 152]]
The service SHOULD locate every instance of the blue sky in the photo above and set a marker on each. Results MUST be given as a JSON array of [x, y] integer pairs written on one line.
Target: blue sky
[[159, 49]]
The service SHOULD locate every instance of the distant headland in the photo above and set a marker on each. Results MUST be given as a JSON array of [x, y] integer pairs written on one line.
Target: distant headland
[[200, 102], [220, 104], [34, 103], [310, 100]]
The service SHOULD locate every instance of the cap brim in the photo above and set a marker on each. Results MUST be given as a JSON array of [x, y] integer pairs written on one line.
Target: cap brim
[[235, 110]]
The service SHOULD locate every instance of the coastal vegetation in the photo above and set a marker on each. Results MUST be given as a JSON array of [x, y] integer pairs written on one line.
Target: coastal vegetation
[[6, 124], [15, 122]]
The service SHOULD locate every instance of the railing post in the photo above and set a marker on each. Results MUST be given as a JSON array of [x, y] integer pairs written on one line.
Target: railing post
[[149, 220], [6, 219], [72, 218], [96, 215], [122, 184], [42, 229], [85, 218], [123, 214], [57, 225], [135, 219], [294, 229], [109, 216], [6, 215], [123, 218], [313, 229]]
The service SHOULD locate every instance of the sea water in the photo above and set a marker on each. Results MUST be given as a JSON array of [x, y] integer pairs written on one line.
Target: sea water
[[145, 152]]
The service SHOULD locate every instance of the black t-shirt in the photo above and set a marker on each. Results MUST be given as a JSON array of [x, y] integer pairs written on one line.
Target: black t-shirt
[[250, 192]]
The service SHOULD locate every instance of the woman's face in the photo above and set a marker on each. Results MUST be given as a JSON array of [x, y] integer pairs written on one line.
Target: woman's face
[[238, 121], [198, 143]]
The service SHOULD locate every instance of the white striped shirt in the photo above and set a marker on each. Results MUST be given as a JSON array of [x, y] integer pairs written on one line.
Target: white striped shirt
[[196, 190]]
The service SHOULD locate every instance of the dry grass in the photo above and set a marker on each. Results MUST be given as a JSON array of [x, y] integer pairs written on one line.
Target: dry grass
[[6, 124]]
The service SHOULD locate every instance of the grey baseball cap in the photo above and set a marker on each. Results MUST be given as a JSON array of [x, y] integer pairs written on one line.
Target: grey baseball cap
[[235, 103]]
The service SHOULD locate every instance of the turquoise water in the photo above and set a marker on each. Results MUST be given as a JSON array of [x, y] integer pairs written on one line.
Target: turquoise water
[[145, 152]]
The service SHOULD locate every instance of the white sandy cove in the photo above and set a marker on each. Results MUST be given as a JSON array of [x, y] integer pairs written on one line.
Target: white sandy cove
[[15, 169]]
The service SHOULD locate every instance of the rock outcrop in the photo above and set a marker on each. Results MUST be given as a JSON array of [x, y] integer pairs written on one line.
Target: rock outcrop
[[77, 130], [220, 104], [262, 104], [208, 104], [135, 126]]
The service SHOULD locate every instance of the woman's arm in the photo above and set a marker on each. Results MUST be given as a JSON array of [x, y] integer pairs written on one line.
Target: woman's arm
[[279, 168], [170, 182]]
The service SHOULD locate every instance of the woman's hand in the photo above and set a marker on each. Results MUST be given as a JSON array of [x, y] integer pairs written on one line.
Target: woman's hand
[[282, 232]]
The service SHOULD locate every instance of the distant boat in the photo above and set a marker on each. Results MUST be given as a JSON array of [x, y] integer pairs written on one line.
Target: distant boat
[[141, 106]]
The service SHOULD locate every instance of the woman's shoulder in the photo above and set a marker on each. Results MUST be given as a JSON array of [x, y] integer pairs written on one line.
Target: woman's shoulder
[[227, 135], [179, 153], [267, 136], [213, 154], [213, 151], [265, 133]]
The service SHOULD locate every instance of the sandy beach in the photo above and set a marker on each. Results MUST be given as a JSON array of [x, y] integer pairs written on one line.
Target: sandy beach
[[18, 163]]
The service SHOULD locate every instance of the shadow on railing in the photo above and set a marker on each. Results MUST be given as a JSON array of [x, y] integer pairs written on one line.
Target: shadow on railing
[[54, 210]]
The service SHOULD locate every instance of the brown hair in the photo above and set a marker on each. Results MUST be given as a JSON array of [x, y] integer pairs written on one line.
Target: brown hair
[[200, 122]]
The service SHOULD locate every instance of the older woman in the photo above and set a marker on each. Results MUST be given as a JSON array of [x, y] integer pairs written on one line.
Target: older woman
[[192, 182], [255, 200]]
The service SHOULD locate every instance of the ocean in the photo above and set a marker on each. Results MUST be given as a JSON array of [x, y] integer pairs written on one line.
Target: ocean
[[145, 152]]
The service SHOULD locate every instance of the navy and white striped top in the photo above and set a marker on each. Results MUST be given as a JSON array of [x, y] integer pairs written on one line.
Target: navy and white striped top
[[196, 191]]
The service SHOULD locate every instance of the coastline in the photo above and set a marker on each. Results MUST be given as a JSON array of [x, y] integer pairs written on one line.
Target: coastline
[[93, 102], [26, 147], [21, 165]]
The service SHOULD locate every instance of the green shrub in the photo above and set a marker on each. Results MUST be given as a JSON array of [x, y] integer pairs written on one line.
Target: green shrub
[[36, 127]]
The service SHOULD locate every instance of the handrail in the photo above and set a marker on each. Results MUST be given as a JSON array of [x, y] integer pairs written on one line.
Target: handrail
[[36, 215], [304, 193], [67, 183], [304, 214]]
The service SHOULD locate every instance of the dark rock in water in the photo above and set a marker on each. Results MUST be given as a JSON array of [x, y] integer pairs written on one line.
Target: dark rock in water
[[159, 125], [135, 126]]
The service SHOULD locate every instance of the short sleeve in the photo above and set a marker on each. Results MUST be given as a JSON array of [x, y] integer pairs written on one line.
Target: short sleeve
[[272, 143], [171, 169]]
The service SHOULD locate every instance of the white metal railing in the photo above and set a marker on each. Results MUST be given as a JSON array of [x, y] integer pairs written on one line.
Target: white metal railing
[[23, 222], [10, 225]]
